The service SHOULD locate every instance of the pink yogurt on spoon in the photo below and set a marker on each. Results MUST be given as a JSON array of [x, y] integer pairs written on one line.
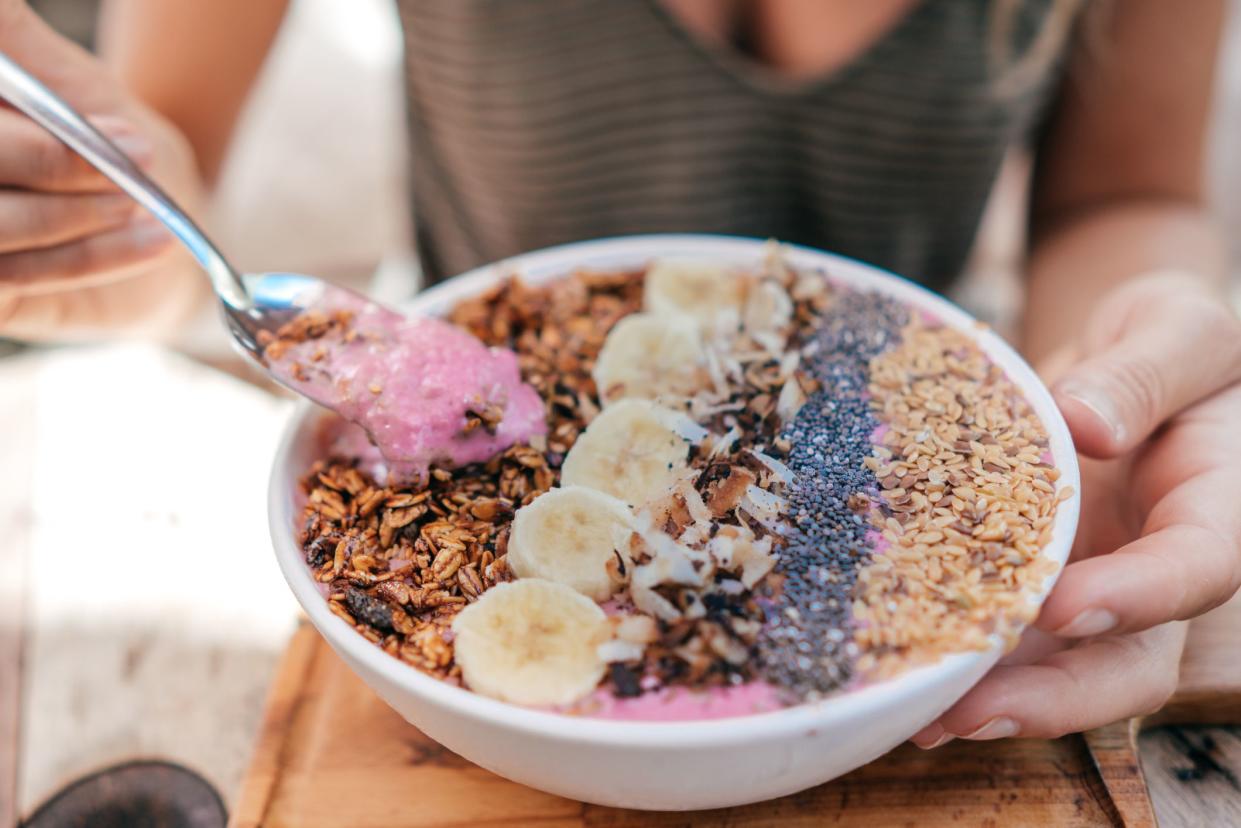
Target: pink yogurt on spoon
[[415, 385]]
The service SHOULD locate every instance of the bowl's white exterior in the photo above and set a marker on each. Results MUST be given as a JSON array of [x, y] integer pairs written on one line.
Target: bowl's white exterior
[[657, 765]]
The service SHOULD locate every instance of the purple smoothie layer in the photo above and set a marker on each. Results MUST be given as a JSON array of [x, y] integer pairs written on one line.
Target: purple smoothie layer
[[678, 704], [412, 383]]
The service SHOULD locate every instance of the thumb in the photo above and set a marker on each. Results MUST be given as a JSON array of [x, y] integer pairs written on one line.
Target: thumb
[[66, 68], [1166, 358]]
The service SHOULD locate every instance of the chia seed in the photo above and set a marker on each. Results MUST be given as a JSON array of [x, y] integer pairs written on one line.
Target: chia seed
[[804, 645]]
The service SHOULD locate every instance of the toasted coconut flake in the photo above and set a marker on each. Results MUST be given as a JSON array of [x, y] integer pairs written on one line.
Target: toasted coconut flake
[[725, 444], [671, 563], [771, 341], [652, 603], [727, 647], [764, 506], [698, 510], [715, 371], [617, 650], [791, 399], [767, 308], [735, 549], [686, 428], [775, 266], [723, 546], [636, 629], [755, 559], [789, 363], [781, 471], [703, 408], [726, 492]]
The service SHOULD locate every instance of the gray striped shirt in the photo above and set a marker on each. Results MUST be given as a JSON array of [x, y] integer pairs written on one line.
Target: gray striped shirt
[[537, 122]]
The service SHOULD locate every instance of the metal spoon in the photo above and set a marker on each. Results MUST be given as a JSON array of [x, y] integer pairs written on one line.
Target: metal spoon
[[253, 304]]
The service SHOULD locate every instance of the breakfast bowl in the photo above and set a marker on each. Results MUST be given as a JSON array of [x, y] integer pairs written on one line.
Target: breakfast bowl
[[684, 764]]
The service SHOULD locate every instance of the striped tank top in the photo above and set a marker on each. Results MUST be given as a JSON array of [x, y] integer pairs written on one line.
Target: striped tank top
[[539, 122]]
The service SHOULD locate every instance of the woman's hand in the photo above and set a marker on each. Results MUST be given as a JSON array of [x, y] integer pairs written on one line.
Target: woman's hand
[[1152, 395], [71, 243], [60, 219]]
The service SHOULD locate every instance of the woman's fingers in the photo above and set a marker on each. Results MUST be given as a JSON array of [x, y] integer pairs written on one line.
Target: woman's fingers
[[1092, 685], [1182, 490], [30, 220], [31, 158], [58, 279], [51, 267], [1176, 573], [1176, 347]]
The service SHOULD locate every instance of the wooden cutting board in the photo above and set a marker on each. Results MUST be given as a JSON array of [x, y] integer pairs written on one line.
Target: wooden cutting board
[[332, 754]]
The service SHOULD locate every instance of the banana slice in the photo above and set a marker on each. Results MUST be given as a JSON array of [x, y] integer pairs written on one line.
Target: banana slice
[[531, 642], [708, 292], [573, 536], [634, 450], [651, 356]]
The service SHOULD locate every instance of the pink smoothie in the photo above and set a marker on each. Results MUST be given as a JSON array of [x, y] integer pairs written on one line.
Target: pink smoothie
[[679, 704], [410, 382]]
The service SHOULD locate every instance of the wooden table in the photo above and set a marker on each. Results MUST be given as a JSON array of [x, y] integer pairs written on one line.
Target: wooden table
[[332, 753]]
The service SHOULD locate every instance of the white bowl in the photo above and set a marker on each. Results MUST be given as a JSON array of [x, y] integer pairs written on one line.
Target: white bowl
[[662, 765]]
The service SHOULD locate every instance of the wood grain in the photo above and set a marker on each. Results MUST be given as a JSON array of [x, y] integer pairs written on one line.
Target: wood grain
[[333, 753], [1192, 771], [1192, 775], [283, 700], [1114, 751], [1209, 689]]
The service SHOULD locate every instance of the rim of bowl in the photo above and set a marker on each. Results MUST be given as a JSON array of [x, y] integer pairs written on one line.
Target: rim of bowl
[[634, 251]]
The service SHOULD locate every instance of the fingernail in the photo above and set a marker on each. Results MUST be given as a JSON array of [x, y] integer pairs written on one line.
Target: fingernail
[[146, 231], [125, 136], [943, 739], [1000, 727], [135, 146], [931, 736], [1097, 401], [115, 207], [1094, 621]]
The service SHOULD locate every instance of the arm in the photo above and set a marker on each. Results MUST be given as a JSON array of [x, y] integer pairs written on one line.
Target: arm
[[76, 259], [1118, 189], [193, 62]]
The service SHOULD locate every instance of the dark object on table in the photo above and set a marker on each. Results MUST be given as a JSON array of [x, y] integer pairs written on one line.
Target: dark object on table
[[142, 794]]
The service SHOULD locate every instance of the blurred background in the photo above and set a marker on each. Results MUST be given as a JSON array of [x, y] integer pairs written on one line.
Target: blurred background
[[328, 197], [139, 651]]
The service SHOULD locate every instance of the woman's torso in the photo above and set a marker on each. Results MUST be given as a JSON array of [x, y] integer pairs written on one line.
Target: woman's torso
[[549, 121]]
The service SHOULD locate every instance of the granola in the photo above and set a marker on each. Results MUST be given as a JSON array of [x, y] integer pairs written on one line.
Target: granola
[[843, 489]]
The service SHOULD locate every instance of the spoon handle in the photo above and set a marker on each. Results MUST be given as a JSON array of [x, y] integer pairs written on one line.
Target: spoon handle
[[47, 109]]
